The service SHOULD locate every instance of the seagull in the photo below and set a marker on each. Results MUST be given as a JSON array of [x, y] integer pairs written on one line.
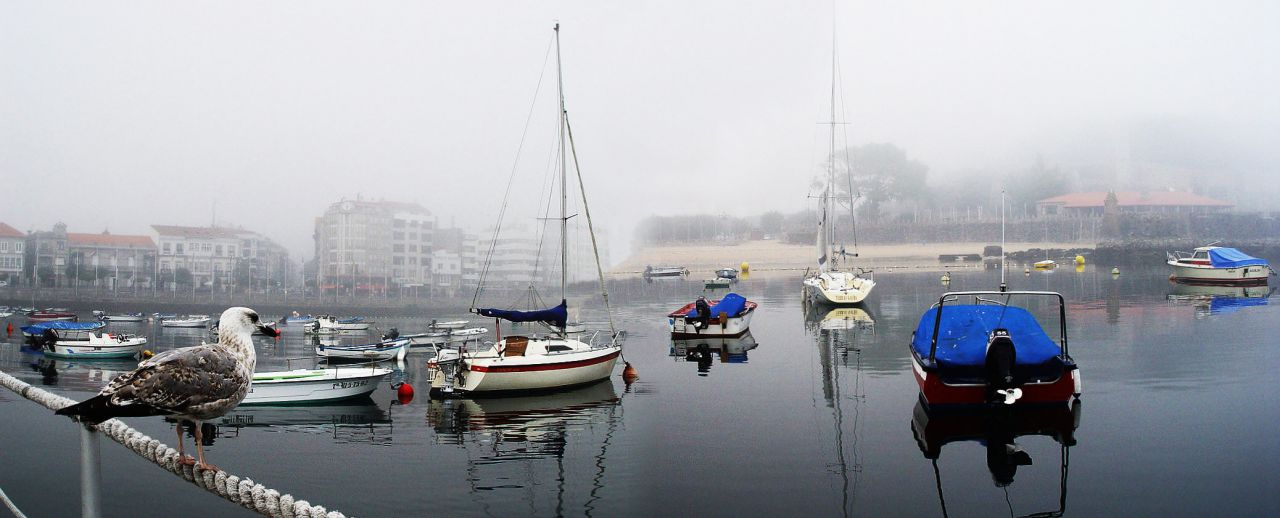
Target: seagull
[[189, 384]]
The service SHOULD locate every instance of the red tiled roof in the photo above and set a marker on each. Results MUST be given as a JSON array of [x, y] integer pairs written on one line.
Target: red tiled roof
[[1133, 198], [109, 240], [196, 232], [8, 231]]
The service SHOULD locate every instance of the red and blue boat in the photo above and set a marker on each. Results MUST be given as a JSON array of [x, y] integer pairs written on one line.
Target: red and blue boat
[[991, 351]]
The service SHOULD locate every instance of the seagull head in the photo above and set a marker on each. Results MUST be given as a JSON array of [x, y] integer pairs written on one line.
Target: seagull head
[[243, 320]]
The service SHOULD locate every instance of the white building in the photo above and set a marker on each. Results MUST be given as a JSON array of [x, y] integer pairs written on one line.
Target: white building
[[12, 247], [372, 246], [209, 253]]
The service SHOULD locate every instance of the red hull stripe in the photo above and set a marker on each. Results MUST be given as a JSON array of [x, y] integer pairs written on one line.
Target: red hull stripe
[[545, 366]]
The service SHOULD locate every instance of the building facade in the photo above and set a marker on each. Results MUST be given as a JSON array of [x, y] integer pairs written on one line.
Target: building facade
[[219, 257], [1094, 204], [47, 257], [13, 244], [374, 247], [111, 261]]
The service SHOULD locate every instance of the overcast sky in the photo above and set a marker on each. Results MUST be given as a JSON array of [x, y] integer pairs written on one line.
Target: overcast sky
[[125, 114]]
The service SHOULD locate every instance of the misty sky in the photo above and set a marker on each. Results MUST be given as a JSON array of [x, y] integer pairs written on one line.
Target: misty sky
[[124, 114]]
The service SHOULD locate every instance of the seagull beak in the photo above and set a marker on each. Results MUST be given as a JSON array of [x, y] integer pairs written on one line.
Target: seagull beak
[[268, 330]]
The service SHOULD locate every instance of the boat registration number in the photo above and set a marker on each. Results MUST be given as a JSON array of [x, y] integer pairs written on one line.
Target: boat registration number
[[350, 384]]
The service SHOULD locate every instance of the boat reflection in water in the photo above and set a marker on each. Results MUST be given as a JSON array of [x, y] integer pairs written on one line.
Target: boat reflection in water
[[827, 318], [703, 350], [997, 428], [1216, 300], [352, 421], [523, 444], [84, 375]]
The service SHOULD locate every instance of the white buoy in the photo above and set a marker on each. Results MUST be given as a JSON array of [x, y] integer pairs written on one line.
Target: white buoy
[[1115, 270]]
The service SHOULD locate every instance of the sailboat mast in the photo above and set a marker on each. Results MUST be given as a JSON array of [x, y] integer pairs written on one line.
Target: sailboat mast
[[564, 218], [829, 228]]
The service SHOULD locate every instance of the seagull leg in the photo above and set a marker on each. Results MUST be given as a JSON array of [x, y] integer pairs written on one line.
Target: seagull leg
[[201, 464], [183, 458]]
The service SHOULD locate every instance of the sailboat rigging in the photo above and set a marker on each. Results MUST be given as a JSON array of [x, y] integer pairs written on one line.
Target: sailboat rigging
[[829, 284], [530, 363]]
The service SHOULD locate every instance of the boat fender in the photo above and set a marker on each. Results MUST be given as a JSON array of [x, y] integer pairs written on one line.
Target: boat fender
[[404, 393]]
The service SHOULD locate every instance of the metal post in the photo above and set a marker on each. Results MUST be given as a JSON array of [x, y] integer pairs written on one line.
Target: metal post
[[90, 473]]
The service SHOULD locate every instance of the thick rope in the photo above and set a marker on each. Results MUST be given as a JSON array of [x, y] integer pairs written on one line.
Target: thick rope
[[243, 491]]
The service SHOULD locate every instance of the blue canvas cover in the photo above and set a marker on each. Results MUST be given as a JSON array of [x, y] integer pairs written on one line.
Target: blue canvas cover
[[732, 304], [965, 329], [1232, 258], [35, 329], [556, 316]]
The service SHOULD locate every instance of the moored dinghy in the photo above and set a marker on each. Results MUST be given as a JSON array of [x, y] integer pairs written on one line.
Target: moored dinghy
[[727, 317], [378, 351], [302, 386]]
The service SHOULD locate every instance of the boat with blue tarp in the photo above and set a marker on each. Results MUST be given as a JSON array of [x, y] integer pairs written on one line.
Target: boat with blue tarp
[[728, 317], [37, 330], [1218, 265], [991, 351]]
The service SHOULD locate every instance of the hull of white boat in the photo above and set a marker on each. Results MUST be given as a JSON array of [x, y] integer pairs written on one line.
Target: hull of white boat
[[1244, 275], [123, 318], [108, 348], [441, 338], [313, 385], [530, 373], [452, 324], [683, 327], [388, 352], [838, 288], [186, 322]]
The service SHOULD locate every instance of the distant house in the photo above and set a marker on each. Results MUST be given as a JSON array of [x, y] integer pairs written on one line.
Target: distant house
[[1093, 204], [12, 244], [112, 260]]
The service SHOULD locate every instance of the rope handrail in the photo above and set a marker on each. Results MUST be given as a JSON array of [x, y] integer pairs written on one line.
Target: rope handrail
[[240, 490]]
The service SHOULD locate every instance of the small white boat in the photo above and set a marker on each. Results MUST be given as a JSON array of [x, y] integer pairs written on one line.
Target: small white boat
[[186, 321], [727, 273], [451, 324], [727, 317], [329, 323], [521, 364], [380, 351], [1047, 264], [445, 338], [124, 317], [665, 271], [89, 344], [1218, 265], [298, 320], [300, 386], [718, 282]]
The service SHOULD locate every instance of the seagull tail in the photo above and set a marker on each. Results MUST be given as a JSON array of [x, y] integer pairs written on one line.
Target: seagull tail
[[99, 408]]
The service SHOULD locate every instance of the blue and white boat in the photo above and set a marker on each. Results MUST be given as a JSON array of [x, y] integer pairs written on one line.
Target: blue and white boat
[[991, 351], [298, 320], [38, 330], [93, 344], [1218, 265]]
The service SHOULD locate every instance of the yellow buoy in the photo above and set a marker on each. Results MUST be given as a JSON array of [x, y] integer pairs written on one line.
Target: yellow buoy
[[1080, 259], [946, 278], [746, 268], [146, 353]]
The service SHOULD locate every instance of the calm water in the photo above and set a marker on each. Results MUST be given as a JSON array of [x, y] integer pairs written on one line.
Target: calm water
[[1178, 417]]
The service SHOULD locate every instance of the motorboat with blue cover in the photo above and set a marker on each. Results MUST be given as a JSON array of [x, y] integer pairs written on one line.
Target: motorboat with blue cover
[[38, 330], [991, 351], [727, 317], [1218, 265]]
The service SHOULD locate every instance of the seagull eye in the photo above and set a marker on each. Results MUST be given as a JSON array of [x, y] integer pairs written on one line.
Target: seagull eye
[[253, 317]]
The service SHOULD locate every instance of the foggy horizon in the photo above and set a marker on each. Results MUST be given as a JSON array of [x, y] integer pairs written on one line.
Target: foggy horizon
[[123, 116]]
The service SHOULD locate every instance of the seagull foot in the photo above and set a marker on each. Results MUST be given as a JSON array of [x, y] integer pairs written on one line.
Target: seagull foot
[[187, 460]]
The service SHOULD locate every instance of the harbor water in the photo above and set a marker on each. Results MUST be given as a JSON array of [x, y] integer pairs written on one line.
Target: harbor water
[[815, 413]]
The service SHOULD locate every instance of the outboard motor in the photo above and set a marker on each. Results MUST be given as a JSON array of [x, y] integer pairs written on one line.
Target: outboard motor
[[999, 377], [391, 334]]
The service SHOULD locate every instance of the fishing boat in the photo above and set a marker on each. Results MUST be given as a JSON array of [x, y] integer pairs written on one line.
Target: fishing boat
[[49, 315], [445, 338], [829, 283], [1218, 265], [298, 320], [123, 317], [38, 330], [991, 351], [531, 363], [187, 321], [92, 344], [377, 351], [729, 316], [665, 271], [998, 431], [302, 386]]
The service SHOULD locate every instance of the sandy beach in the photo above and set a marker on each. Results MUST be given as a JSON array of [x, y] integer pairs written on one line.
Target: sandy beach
[[777, 258]]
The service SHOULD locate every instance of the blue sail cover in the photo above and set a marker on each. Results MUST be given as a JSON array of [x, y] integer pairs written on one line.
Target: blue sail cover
[[35, 329], [1232, 258], [965, 329], [732, 304], [556, 316]]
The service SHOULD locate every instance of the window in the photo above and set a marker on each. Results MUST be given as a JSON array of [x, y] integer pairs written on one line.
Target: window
[[399, 223], [17, 247], [207, 247], [177, 248], [397, 249], [413, 235], [413, 248], [231, 250], [397, 235], [166, 249], [4, 246], [130, 263], [217, 250], [397, 260]]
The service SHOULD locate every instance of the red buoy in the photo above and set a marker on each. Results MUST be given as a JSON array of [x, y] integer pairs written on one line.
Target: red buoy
[[629, 374], [9, 329], [404, 393]]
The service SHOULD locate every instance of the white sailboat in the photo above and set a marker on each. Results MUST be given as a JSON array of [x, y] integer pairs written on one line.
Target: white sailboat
[[521, 364], [830, 284]]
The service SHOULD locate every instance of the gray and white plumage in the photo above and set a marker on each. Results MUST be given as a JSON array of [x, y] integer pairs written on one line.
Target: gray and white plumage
[[196, 383]]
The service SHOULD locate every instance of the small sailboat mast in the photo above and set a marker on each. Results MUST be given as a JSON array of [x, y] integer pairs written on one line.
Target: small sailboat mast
[[564, 217]]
